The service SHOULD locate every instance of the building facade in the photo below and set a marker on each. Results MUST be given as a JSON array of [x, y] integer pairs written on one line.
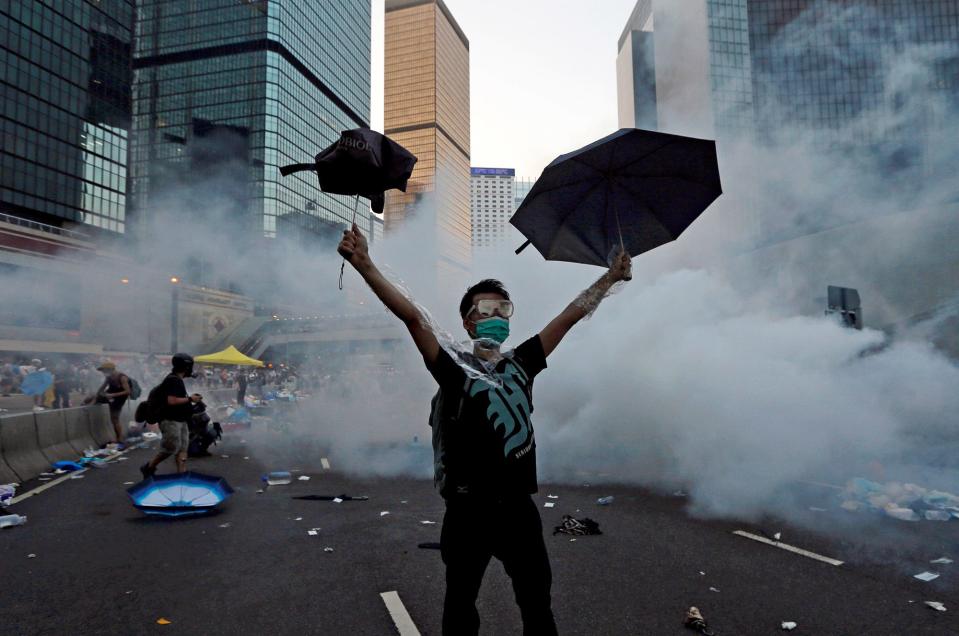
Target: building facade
[[227, 92], [427, 110], [65, 110], [492, 201]]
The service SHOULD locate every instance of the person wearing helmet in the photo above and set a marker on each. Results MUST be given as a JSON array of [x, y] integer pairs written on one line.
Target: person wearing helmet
[[175, 407]]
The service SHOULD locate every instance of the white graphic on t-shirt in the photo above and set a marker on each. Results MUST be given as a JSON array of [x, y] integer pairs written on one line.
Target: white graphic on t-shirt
[[509, 408]]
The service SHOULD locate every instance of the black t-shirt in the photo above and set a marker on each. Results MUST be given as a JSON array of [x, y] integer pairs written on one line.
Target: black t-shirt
[[173, 385], [488, 445]]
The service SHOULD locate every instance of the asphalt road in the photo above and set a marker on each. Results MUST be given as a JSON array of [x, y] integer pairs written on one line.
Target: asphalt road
[[101, 567]]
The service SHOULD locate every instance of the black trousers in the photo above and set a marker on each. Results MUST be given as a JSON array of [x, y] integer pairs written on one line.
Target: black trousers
[[474, 531]]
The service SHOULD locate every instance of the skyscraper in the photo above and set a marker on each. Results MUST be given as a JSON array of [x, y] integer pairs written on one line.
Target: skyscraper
[[227, 92], [427, 110], [491, 200], [65, 81], [685, 68]]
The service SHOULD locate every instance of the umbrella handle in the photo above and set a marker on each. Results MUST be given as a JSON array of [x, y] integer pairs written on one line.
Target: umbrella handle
[[356, 204], [523, 247], [297, 167]]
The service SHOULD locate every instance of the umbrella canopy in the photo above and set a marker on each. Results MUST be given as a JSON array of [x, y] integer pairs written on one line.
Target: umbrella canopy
[[362, 162], [36, 383], [635, 188], [230, 355], [179, 494]]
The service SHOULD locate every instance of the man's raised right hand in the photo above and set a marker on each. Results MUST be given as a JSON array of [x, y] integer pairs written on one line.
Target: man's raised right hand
[[353, 247]]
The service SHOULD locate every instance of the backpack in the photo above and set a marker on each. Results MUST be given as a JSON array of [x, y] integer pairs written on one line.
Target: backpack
[[150, 410], [443, 412], [135, 390]]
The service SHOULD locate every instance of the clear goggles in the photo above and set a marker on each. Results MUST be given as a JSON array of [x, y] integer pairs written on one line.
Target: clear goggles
[[487, 308]]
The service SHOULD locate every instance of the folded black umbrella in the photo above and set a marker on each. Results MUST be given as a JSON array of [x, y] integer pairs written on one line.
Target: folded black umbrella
[[361, 162], [634, 189]]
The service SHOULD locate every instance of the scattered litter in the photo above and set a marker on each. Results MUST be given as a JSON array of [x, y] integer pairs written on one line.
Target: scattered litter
[[44, 478], [62, 467], [312, 533], [789, 625], [298, 519], [150, 435], [304, 478], [926, 576], [122, 459], [936, 605], [327, 549], [128, 483], [47, 474], [243, 441], [76, 476], [428, 523], [225, 525], [31, 556], [260, 491], [577, 527], [944, 560], [778, 536], [334, 498], [695, 620], [815, 509], [163, 621], [429, 545], [246, 458], [548, 504], [384, 513], [713, 589], [225, 456], [552, 496], [906, 502], [571, 540], [59, 471], [278, 478], [701, 573], [679, 493], [403, 502], [605, 501]]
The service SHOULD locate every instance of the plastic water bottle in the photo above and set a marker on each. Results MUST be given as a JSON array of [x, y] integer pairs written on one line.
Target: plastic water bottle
[[278, 478], [7, 521], [605, 501]]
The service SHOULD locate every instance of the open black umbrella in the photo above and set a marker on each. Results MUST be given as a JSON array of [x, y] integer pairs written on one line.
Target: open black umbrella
[[633, 189], [362, 162]]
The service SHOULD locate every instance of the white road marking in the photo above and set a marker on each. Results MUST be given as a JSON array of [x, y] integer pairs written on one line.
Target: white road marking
[[790, 548], [325, 463], [401, 618], [61, 479]]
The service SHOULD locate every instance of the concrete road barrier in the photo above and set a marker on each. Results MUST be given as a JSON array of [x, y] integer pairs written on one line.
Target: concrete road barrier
[[101, 430], [52, 435], [21, 446], [7, 476], [78, 429]]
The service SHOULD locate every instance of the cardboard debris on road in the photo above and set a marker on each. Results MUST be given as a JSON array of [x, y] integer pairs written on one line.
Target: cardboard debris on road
[[926, 576], [163, 621]]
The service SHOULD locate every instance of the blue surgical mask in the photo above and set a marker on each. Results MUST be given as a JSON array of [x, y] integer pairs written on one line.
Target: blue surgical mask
[[495, 329]]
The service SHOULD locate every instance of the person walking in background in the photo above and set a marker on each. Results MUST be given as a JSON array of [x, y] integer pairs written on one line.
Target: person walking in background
[[175, 410], [241, 382], [114, 392], [63, 382]]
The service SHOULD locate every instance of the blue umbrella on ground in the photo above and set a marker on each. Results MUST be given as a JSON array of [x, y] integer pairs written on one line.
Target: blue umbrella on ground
[[36, 383], [179, 494]]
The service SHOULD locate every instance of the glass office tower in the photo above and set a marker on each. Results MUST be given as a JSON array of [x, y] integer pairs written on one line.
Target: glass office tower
[[65, 107], [227, 92]]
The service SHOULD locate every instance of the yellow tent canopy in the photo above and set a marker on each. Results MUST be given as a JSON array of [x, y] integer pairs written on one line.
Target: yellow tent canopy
[[230, 355]]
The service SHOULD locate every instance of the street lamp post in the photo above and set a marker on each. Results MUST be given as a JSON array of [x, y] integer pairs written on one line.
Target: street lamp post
[[174, 314]]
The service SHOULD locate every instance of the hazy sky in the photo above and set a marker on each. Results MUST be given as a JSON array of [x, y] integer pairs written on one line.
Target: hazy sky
[[542, 76]]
